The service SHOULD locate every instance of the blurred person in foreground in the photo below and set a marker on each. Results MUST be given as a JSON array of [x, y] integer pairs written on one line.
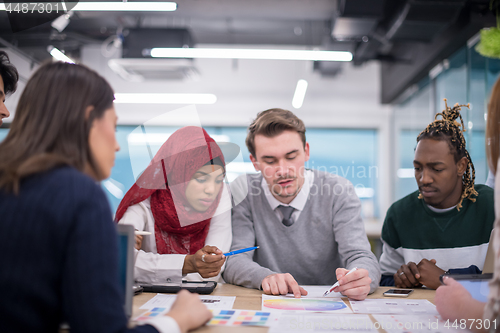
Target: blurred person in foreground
[[57, 237], [452, 300]]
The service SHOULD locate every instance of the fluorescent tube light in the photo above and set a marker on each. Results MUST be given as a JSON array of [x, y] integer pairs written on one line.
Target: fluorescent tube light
[[364, 192], [138, 98], [104, 6], [126, 6], [251, 54], [300, 93], [138, 139], [54, 52]]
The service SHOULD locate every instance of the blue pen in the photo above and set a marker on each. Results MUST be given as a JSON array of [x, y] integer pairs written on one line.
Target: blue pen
[[240, 251]]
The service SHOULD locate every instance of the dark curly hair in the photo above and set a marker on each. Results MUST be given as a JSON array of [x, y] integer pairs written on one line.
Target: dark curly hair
[[448, 129], [9, 74]]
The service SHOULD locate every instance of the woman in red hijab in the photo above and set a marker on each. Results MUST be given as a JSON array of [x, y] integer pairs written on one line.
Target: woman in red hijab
[[181, 200]]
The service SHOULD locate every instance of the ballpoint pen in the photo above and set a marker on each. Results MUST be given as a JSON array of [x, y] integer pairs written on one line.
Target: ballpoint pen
[[142, 233], [240, 251], [337, 283]]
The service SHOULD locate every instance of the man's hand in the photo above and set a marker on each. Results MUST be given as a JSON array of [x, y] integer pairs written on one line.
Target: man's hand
[[453, 302], [355, 285], [188, 311], [138, 242], [429, 273], [207, 262], [282, 284], [407, 276]]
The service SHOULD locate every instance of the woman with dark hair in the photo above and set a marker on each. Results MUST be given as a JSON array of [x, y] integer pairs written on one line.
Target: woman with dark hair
[[57, 238], [8, 82], [453, 301], [181, 200]]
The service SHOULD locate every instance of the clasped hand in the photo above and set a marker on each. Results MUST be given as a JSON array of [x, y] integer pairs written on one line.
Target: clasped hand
[[412, 275], [207, 262]]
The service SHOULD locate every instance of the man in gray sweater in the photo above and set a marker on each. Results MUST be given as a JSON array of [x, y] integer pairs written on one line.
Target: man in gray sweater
[[306, 222]]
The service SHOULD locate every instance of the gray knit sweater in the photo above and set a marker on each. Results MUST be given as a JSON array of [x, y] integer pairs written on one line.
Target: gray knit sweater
[[328, 234]]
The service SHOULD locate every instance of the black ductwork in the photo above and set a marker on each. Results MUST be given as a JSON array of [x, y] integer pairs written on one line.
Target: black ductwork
[[355, 19], [139, 42], [409, 37]]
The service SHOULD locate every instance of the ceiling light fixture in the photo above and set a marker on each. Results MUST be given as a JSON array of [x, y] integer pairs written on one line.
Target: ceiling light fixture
[[160, 138], [126, 6], [57, 54], [61, 22], [138, 98], [117, 6], [300, 93], [265, 54]]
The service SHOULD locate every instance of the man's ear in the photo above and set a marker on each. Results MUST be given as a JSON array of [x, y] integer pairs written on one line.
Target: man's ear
[[256, 164], [306, 151], [462, 166]]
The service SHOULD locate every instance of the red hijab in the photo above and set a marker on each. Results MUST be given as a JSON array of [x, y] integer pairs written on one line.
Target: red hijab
[[165, 181]]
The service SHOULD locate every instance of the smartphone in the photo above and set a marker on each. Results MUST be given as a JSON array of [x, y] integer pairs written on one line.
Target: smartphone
[[398, 292], [202, 287]]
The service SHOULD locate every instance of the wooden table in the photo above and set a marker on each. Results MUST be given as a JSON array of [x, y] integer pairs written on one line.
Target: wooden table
[[250, 299]]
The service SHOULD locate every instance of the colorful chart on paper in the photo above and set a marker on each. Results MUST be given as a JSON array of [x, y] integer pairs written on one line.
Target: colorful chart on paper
[[241, 318], [270, 303], [152, 313]]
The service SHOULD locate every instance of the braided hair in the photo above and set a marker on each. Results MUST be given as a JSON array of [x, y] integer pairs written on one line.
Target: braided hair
[[447, 128]]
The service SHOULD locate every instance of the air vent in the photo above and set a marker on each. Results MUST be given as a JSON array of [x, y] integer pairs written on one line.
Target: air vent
[[137, 70]]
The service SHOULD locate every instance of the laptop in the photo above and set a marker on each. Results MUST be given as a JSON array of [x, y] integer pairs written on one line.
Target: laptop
[[126, 240]]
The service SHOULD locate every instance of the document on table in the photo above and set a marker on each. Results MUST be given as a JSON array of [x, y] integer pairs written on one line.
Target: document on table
[[165, 301], [414, 324], [401, 306], [322, 322], [285, 303], [318, 292]]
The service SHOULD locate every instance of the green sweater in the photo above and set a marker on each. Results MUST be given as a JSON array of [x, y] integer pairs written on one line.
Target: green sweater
[[456, 239]]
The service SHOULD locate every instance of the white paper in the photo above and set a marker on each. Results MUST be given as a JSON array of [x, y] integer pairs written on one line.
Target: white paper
[[212, 302], [322, 322], [397, 306], [285, 303], [414, 324], [318, 292]]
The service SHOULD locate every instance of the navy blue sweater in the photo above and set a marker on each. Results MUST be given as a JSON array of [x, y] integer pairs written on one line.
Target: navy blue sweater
[[59, 257]]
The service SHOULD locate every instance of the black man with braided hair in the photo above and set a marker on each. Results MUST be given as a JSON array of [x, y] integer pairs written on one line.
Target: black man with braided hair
[[444, 226], [8, 82]]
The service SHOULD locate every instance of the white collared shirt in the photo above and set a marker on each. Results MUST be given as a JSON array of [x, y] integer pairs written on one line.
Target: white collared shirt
[[298, 203]]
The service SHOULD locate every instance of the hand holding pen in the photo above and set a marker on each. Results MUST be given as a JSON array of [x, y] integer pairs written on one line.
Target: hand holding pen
[[227, 254], [355, 286], [336, 284]]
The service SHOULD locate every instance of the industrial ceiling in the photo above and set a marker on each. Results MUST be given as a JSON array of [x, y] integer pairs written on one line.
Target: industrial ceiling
[[409, 37]]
